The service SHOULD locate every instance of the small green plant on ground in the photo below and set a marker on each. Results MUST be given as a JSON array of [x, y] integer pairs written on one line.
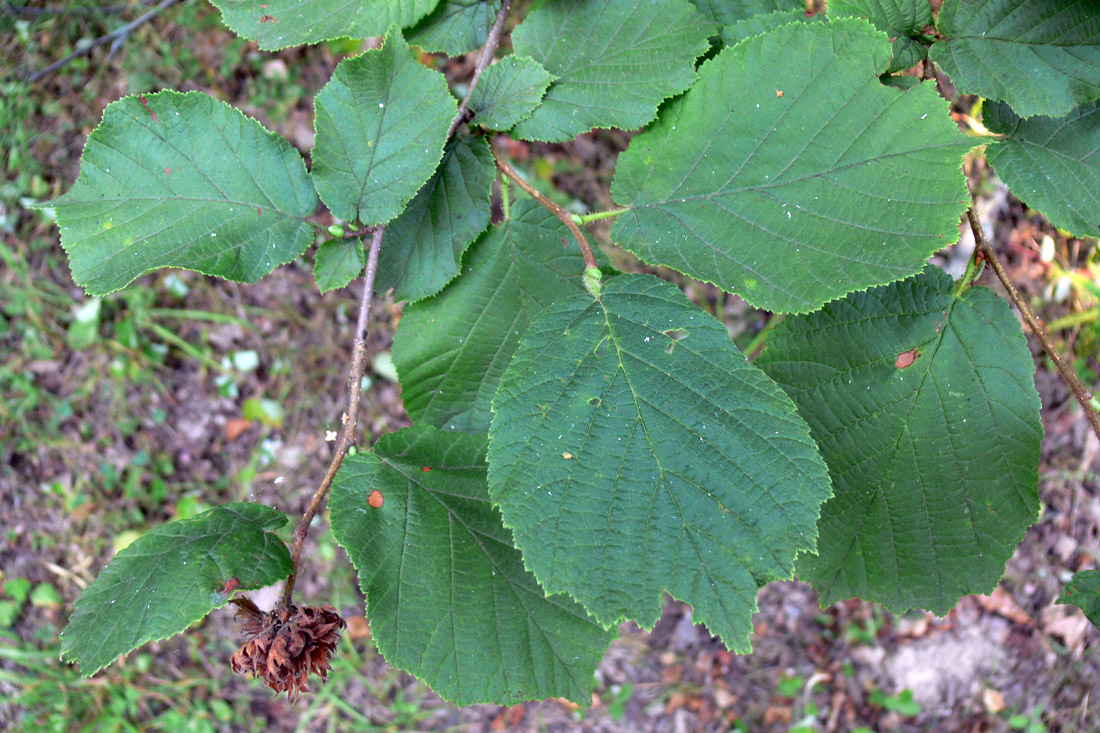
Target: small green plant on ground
[[585, 440], [902, 703], [1031, 722]]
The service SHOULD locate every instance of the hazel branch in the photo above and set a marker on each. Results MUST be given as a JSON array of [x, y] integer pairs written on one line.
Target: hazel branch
[[1068, 376], [351, 417], [115, 38], [359, 349], [487, 52]]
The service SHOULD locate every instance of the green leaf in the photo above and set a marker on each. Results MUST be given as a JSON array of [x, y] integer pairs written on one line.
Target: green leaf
[[757, 24], [900, 81], [1084, 592], [337, 263], [17, 589], [1052, 164], [170, 578], [793, 184], [450, 350], [264, 410], [727, 12], [903, 21], [84, 328], [424, 245], [381, 124], [45, 595], [198, 186], [615, 61], [1040, 56], [508, 92], [455, 27], [634, 449], [281, 23], [447, 594], [925, 409]]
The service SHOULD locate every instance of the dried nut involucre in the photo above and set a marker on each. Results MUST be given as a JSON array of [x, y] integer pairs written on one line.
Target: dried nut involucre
[[286, 645]]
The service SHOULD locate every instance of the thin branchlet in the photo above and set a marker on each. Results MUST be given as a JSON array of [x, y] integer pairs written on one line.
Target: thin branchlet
[[1084, 398], [359, 348]]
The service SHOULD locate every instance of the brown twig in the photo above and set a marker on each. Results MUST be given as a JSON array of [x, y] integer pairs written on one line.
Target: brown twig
[[116, 36], [487, 52], [1067, 374], [359, 350], [65, 10], [510, 172], [351, 417]]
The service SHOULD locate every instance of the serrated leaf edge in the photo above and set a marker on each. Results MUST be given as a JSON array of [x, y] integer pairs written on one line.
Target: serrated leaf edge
[[739, 646], [279, 140], [67, 653], [384, 647]]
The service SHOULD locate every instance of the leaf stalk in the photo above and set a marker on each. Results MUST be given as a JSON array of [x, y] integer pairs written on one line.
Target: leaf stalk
[[582, 219], [565, 216]]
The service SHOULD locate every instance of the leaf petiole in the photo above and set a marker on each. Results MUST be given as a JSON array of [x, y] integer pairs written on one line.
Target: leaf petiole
[[582, 219]]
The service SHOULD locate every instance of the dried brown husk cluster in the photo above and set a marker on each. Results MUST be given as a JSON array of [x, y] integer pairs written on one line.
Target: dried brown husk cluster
[[285, 646]]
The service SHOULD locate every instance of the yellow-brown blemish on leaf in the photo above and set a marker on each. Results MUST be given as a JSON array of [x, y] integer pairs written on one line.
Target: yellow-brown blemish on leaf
[[906, 358]]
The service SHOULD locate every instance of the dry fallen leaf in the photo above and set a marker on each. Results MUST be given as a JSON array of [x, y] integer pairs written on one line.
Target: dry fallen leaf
[[1067, 623], [235, 427], [723, 698], [358, 628], [1000, 602]]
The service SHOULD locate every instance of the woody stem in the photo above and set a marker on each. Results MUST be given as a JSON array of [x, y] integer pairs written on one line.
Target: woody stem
[[351, 417]]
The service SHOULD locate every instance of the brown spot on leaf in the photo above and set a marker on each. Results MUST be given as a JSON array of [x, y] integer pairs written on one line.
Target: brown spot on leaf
[[778, 92], [145, 104], [376, 499], [267, 19], [906, 358], [425, 469]]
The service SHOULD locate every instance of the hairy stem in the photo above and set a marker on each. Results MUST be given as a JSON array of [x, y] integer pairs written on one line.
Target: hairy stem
[[483, 61], [565, 216], [1068, 376], [351, 417], [505, 192], [974, 268], [582, 219]]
